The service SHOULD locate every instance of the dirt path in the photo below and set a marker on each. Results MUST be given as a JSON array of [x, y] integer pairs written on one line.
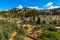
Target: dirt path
[[12, 36]]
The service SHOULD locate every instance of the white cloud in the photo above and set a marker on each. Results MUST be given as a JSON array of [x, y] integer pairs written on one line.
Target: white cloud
[[35, 7], [31, 7], [52, 7], [57, 6], [20, 7], [48, 4]]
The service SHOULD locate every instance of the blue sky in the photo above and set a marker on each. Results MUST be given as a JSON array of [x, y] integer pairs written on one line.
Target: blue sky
[[8, 4]]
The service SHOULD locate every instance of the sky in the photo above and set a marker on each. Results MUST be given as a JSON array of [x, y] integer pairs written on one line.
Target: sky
[[34, 4]]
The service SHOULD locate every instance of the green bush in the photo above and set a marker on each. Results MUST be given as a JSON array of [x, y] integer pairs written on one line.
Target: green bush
[[6, 29], [48, 35], [22, 32], [38, 21], [49, 27]]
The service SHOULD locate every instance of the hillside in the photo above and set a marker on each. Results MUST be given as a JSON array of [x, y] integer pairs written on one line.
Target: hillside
[[30, 24]]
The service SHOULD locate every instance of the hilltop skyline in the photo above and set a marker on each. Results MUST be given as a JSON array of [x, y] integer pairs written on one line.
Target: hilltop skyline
[[37, 4]]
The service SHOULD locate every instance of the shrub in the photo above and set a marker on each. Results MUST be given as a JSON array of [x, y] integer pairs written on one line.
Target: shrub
[[6, 29], [48, 35], [22, 32], [38, 20]]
